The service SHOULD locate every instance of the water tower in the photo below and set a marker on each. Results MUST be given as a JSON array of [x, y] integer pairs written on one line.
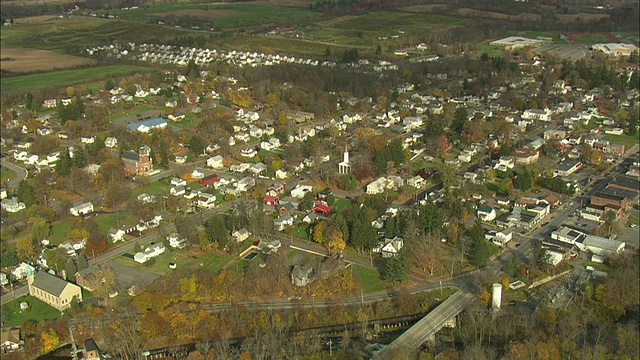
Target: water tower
[[496, 296]]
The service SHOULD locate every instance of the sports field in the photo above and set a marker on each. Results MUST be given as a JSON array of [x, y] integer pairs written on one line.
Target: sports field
[[590, 37], [67, 77]]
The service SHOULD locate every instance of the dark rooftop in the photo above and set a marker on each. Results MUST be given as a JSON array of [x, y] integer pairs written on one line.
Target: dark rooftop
[[49, 283]]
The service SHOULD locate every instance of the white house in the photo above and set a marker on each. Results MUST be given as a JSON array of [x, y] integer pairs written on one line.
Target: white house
[[241, 235], [258, 168], [500, 238], [300, 190], [176, 242], [150, 252], [248, 152], [195, 174], [181, 159], [505, 163], [110, 142], [417, 182], [178, 182], [281, 174], [215, 162], [282, 222], [12, 205], [22, 270], [206, 200], [246, 183], [377, 186], [486, 213], [82, 209], [390, 247], [537, 114]]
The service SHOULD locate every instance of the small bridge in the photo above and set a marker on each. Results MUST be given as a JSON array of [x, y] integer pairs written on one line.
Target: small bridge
[[426, 327]]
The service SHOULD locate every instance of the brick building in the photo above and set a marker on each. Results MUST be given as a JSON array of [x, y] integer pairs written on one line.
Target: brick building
[[137, 163]]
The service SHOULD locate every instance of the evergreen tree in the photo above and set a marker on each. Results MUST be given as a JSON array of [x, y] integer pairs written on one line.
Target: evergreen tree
[[71, 270], [398, 267], [28, 101], [82, 262], [480, 248], [26, 193], [63, 168], [460, 117]]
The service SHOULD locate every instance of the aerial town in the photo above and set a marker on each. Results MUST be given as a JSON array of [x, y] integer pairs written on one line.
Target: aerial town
[[320, 180]]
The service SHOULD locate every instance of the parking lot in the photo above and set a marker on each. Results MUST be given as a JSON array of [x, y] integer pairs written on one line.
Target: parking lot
[[572, 52]]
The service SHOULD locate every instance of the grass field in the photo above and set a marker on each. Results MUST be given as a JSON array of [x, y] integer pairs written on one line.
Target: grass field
[[626, 140], [19, 60], [38, 311], [6, 175], [339, 205], [183, 259], [225, 16], [369, 278], [66, 77]]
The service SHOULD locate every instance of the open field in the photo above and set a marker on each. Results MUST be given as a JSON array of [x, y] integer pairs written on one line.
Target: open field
[[626, 140], [37, 311], [67, 77], [369, 278], [226, 16], [582, 17], [26, 60], [35, 19], [184, 259]]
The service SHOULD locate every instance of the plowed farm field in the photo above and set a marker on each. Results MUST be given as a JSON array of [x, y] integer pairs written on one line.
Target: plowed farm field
[[28, 60]]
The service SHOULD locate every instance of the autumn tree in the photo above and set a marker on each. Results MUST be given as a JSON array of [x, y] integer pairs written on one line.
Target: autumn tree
[[26, 249]]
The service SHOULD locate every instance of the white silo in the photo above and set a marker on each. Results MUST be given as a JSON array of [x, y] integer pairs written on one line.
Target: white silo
[[496, 296]]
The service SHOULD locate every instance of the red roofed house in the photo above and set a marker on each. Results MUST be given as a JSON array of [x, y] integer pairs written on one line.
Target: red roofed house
[[209, 180], [322, 209], [276, 189], [270, 200]]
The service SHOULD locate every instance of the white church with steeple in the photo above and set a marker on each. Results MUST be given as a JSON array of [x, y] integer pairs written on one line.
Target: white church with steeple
[[345, 166]]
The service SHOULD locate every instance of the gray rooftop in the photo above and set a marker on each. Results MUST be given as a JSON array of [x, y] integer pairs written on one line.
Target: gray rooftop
[[49, 283]]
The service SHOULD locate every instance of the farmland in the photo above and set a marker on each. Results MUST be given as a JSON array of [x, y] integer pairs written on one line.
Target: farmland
[[67, 77], [26, 60]]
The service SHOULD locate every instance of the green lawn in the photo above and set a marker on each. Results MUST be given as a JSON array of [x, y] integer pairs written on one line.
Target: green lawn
[[38, 311], [339, 205], [626, 140], [183, 260], [160, 188], [67, 77], [369, 278], [6, 175], [60, 232], [301, 231]]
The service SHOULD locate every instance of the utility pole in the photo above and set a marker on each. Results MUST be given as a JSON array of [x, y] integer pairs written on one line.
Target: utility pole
[[330, 348], [73, 344]]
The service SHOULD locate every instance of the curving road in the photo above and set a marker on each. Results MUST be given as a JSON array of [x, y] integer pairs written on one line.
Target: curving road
[[21, 173]]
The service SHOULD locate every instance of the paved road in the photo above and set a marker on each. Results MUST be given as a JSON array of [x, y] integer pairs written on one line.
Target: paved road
[[21, 173]]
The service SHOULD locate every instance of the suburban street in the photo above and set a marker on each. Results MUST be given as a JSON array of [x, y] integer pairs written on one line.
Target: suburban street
[[21, 173]]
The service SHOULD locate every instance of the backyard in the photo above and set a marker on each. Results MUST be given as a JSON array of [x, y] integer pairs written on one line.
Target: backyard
[[37, 311]]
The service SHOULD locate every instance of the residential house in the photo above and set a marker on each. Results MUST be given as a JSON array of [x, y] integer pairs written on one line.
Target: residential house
[[4, 279], [150, 252], [21, 271], [110, 142], [10, 341], [208, 180], [323, 209], [215, 162], [505, 163], [90, 350], [281, 174], [195, 174], [537, 114], [276, 189], [240, 168], [181, 159], [390, 247], [302, 275], [394, 182], [12, 205], [282, 222], [53, 290], [137, 163], [486, 213], [555, 134], [270, 200], [176, 242], [568, 167], [500, 238], [248, 152], [241, 235], [205, 200], [149, 222], [82, 209], [300, 190], [286, 208], [258, 168], [177, 190], [524, 156], [246, 184], [312, 217], [377, 186]]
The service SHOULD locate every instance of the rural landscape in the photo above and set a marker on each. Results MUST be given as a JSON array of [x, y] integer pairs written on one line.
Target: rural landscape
[[330, 179]]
